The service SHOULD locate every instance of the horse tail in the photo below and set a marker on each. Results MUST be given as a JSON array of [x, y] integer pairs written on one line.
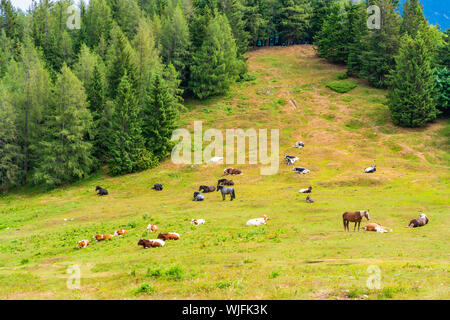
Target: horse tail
[[234, 196]]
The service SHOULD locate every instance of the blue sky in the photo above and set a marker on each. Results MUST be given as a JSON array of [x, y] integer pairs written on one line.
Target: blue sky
[[436, 11]]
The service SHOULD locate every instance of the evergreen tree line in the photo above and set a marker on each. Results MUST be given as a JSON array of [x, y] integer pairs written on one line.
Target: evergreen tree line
[[406, 54], [110, 93]]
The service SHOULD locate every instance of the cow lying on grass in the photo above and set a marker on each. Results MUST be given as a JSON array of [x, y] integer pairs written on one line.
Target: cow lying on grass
[[197, 222], [257, 221], [198, 196], [151, 243], [157, 187], [420, 222], [101, 237], [300, 170], [152, 227], [290, 160], [376, 227], [120, 232], [101, 191], [83, 243], [169, 236]]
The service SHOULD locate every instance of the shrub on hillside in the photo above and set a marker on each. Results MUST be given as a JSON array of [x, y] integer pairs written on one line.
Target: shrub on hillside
[[341, 86]]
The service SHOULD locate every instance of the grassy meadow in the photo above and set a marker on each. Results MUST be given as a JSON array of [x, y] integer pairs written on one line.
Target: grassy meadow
[[302, 253]]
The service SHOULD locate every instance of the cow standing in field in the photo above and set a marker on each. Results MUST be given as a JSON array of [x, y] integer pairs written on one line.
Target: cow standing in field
[[355, 217]]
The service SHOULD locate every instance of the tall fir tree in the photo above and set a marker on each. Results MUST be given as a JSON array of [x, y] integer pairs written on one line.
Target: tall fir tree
[[10, 155], [175, 41], [120, 59], [64, 153], [411, 96], [356, 27], [332, 39], [215, 65], [28, 90], [381, 45], [127, 145], [147, 59], [160, 115]]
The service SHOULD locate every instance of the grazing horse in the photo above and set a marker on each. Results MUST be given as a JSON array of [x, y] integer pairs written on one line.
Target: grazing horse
[[226, 191], [355, 217], [101, 191], [420, 222], [232, 171], [225, 182], [206, 189], [157, 187], [198, 196]]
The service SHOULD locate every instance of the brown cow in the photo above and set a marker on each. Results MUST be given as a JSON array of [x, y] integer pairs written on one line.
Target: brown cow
[[83, 243], [232, 171], [101, 237], [169, 236], [355, 217], [120, 232], [151, 243]]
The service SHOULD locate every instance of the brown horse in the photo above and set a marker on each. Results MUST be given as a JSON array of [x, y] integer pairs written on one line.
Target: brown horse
[[206, 189], [355, 217], [232, 171]]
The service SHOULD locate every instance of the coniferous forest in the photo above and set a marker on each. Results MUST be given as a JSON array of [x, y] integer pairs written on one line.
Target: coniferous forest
[[110, 93]]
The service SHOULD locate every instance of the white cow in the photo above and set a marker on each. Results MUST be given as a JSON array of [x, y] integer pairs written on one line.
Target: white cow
[[197, 222], [257, 221]]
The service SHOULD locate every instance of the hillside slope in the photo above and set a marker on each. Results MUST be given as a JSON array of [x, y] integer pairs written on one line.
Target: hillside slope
[[303, 253]]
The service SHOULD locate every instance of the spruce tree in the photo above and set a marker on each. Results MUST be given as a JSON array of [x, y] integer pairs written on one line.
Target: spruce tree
[[28, 90], [64, 154], [126, 142], [332, 39], [215, 64], [120, 60], [97, 21], [10, 155], [411, 96], [147, 59], [381, 45], [175, 41], [294, 18], [413, 19], [356, 27], [160, 115]]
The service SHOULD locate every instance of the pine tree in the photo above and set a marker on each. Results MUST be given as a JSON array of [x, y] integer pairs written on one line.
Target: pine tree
[[215, 64], [332, 39], [159, 115], [27, 83], [126, 142], [381, 46], [235, 13], [355, 22], [84, 68], [120, 59], [294, 17], [6, 52], [411, 97], [64, 154], [413, 19], [98, 22], [10, 155], [147, 59], [175, 41], [320, 11]]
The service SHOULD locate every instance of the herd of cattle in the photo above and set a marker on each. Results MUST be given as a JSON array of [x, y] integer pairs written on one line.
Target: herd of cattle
[[223, 185]]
